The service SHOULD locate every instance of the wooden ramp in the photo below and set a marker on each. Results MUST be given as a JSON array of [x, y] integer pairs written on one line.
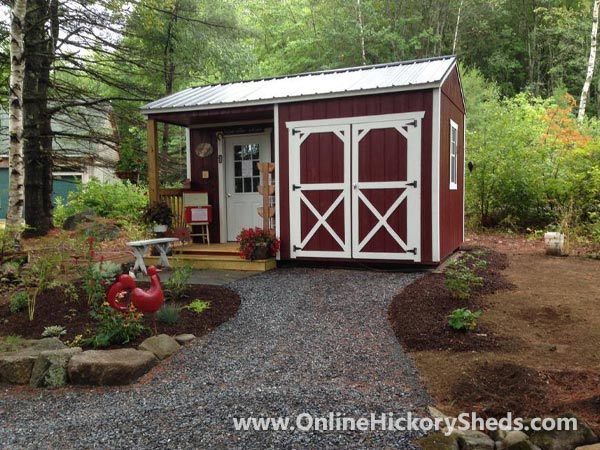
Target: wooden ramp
[[214, 256]]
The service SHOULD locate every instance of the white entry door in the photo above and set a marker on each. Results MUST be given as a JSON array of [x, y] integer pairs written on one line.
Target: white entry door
[[242, 153]]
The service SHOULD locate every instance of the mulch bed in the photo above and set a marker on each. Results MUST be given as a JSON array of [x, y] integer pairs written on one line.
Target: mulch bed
[[419, 314], [52, 308]]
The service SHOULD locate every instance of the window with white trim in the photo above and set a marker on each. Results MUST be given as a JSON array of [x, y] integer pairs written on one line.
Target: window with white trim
[[453, 155]]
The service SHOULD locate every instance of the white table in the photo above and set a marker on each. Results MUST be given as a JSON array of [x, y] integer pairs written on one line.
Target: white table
[[140, 247]]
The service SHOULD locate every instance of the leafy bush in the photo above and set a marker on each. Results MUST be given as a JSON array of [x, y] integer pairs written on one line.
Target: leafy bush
[[18, 302], [119, 200], [198, 306], [168, 313], [251, 239], [463, 319], [108, 270], [115, 327], [54, 331], [175, 286], [41, 273], [460, 275]]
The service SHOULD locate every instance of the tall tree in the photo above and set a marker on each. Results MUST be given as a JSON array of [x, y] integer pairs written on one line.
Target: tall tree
[[591, 63], [16, 193]]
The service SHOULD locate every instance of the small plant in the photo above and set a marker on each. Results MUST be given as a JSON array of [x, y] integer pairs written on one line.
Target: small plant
[[198, 306], [460, 278], [40, 274], [71, 292], [158, 213], [108, 270], [168, 313], [54, 331], [175, 286], [18, 302], [116, 327], [463, 319], [256, 243]]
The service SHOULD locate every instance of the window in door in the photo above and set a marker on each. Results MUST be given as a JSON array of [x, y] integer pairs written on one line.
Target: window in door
[[453, 155], [246, 174]]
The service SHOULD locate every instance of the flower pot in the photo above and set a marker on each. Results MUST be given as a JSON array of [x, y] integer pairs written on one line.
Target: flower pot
[[160, 228], [260, 252], [130, 175]]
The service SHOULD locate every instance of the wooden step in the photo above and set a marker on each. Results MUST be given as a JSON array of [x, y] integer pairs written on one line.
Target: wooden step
[[209, 249], [216, 262]]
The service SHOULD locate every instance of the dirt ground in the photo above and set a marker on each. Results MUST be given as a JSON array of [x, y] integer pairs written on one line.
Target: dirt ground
[[550, 323]]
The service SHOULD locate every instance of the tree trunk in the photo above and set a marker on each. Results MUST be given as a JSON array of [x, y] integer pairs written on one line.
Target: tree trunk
[[16, 193], [456, 28], [40, 48], [591, 62], [361, 29]]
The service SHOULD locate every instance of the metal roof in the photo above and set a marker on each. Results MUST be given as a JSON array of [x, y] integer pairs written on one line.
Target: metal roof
[[366, 79]]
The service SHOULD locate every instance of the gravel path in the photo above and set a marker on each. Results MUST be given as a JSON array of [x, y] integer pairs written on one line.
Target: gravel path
[[304, 341]]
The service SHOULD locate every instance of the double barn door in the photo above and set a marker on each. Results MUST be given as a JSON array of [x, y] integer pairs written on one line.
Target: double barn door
[[355, 187]]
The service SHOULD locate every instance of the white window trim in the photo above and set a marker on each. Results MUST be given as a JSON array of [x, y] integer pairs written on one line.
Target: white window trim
[[453, 167]]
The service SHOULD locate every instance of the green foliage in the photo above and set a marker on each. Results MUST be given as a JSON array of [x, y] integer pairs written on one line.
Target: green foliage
[[168, 313], [198, 306], [158, 213], [18, 302], [71, 293], [108, 270], [115, 327], [118, 200], [176, 285], [460, 277], [40, 274], [54, 331], [463, 319]]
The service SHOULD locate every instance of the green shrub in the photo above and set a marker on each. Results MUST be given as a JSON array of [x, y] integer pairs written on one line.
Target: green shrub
[[175, 286], [460, 278], [119, 200], [198, 306], [18, 302], [115, 327], [54, 331], [168, 313], [463, 319]]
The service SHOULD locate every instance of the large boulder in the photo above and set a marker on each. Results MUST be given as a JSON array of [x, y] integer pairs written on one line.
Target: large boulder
[[474, 440], [110, 367], [50, 368], [16, 367], [564, 439], [162, 346], [438, 441], [74, 220]]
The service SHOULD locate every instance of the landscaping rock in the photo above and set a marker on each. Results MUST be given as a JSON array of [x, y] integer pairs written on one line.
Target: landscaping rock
[[436, 413], [74, 220], [438, 441], [50, 368], [564, 440], [162, 346], [16, 367], [475, 440], [589, 447], [514, 437], [183, 339], [522, 445], [101, 229], [109, 367]]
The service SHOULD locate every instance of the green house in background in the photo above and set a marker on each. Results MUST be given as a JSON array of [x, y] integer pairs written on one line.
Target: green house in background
[[76, 161]]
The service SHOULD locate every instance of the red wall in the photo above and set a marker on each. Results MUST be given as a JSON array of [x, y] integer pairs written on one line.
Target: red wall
[[451, 201], [358, 106]]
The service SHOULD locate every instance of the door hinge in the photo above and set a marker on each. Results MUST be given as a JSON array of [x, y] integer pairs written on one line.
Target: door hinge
[[413, 123], [296, 248], [296, 186], [295, 131], [413, 251], [413, 184]]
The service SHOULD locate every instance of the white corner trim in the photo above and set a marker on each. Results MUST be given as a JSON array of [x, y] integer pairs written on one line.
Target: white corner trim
[[435, 176], [277, 186], [222, 199], [464, 179], [188, 154]]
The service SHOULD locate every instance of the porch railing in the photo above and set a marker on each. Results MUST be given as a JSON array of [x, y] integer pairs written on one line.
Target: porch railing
[[174, 198]]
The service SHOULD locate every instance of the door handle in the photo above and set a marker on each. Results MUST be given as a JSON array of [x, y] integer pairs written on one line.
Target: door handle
[[228, 195], [355, 186]]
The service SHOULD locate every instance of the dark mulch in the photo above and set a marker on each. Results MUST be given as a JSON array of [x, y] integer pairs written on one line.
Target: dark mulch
[[419, 314], [52, 308]]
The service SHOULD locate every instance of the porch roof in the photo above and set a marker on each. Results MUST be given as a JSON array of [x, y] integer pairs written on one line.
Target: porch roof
[[395, 76]]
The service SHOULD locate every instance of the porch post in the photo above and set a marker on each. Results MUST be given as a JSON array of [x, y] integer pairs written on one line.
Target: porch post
[[152, 137]]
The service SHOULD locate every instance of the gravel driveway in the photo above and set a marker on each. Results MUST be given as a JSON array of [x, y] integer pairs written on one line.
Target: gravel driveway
[[304, 341]]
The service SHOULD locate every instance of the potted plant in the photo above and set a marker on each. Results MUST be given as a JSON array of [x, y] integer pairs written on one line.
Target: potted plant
[[158, 215], [256, 243]]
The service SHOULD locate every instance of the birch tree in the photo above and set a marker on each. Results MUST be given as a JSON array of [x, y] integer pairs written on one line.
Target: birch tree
[[591, 62], [16, 195]]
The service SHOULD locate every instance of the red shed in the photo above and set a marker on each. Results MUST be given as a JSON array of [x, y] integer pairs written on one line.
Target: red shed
[[368, 160]]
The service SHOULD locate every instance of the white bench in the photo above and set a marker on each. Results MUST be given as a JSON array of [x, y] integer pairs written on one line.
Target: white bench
[[140, 247]]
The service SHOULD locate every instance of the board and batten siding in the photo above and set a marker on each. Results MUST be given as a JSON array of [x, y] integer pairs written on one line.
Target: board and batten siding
[[389, 103], [451, 201]]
